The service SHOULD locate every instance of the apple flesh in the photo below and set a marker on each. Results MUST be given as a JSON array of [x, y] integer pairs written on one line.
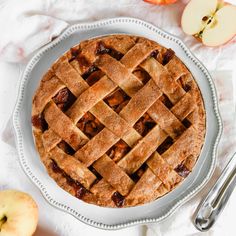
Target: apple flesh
[[193, 16], [160, 2], [18, 214], [211, 21], [222, 28]]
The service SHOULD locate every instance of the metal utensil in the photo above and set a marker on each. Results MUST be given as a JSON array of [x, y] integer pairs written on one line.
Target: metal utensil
[[210, 208]]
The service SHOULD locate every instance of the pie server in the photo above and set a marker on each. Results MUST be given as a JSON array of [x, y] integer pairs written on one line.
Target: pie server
[[212, 205]]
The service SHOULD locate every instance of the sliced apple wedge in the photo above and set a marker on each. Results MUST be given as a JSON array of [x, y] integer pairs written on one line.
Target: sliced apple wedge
[[210, 21]]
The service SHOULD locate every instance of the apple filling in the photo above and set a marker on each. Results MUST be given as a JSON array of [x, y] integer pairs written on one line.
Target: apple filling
[[144, 124], [118, 199], [90, 125], [79, 189], [182, 170], [165, 145], [137, 174], [142, 75], [117, 100], [66, 148], [39, 122], [168, 55], [103, 49], [64, 99], [118, 151]]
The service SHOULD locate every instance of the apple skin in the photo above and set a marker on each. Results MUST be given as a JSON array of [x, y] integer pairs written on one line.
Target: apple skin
[[18, 213], [160, 2]]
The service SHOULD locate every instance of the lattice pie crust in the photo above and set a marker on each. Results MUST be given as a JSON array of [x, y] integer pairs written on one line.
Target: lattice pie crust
[[118, 121]]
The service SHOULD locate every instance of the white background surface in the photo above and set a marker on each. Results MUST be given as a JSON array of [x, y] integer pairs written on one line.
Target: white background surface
[[54, 222]]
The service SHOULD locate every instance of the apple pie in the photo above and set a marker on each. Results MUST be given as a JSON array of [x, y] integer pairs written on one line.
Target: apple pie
[[118, 121]]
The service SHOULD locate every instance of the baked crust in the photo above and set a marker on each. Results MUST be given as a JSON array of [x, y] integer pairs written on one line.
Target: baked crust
[[118, 121]]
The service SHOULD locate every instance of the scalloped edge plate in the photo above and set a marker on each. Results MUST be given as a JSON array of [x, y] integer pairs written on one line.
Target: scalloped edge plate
[[100, 217]]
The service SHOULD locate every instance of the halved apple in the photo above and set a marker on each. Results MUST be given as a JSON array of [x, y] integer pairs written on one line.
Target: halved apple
[[160, 2], [211, 21]]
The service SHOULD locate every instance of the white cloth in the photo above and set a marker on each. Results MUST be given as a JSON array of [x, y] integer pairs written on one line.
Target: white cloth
[[27, 25]]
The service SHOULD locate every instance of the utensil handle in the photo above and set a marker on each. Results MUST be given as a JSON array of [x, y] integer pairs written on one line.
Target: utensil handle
[[211, 207]]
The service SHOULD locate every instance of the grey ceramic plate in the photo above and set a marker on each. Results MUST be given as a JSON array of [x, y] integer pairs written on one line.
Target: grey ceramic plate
[[107, 218]]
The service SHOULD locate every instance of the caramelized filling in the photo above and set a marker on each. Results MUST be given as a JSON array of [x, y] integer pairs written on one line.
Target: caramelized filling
[[182, 170], [103, 49], [61, 97], [39, 122], [94, 77], [95, 173], [55, 167], [66, 148], [74, 54], [64, 99], [89, 72], [166, 101], [118, 199], [79, 189], [154, 54], [86, 66], [186, 85], [144, 124], [90, 125], [137, 175], [178, 131], [142, 75], [83, 63], [165, 145], [167, 56], [186, 123], [117, 100], [118, 151]]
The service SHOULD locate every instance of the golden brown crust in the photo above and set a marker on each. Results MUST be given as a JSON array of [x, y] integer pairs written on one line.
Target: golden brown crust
[[118, 121]]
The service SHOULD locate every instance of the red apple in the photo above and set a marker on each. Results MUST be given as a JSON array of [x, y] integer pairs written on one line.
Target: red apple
[[160, 2]]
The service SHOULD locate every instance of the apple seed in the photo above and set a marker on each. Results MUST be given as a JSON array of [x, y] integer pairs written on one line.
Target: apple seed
[[204, 18]]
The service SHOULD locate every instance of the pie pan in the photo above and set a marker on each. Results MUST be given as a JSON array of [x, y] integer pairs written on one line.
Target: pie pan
[[101, 217]]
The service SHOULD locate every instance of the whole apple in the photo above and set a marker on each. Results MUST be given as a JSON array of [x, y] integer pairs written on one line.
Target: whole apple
[[18, 213]]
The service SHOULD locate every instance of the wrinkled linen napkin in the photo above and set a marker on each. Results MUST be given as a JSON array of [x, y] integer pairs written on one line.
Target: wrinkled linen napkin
[[31, 24], [28, 25]]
